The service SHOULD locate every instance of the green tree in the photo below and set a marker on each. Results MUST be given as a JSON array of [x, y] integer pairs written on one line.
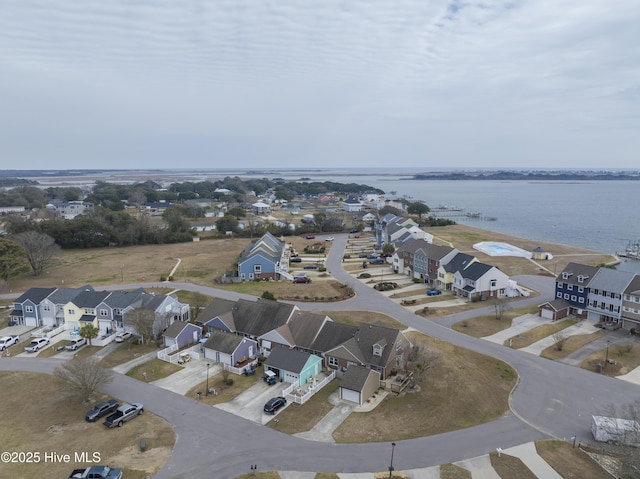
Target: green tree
[[12, 260], [227, 223], [268, 295], [89, 332], [388, 248], [418, 208]]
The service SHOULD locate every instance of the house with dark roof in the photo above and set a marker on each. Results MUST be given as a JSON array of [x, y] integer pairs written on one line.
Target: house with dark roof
[[52, 306], [293, 366], [82, 310], [299, 332], [421, 260], [631, 305], [161, 309], [182, 334], [111, 310], [604, 298], [358, 384], [374, 347], [228, 348], [554, 310], [480, 280], [447, 270], [218, 314], [27, 309], [572, 285], [352, 204]]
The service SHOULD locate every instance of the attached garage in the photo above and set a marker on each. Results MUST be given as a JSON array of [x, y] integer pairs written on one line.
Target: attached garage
[[293, 366], [359, 384]]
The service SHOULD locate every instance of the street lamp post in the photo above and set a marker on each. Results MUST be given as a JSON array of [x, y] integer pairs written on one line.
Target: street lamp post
[[393, 445], [207, 391], [606, 358]]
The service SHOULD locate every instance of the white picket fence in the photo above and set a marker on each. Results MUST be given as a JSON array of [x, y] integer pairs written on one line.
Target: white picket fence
[[167, 354], [47, 332], [299, 398], [239, 371]]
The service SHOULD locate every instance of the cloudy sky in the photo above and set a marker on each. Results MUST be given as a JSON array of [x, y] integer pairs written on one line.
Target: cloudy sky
[[283, 83]]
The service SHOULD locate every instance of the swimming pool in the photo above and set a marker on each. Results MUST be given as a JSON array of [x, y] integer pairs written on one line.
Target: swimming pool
[[492, 248]]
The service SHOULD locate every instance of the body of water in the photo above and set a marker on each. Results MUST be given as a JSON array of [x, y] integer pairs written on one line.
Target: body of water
[[599, 215]]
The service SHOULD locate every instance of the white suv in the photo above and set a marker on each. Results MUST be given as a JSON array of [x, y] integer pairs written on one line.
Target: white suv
[[36, 345]]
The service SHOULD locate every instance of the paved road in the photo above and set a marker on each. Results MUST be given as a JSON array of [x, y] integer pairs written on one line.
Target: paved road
[[552, 399]]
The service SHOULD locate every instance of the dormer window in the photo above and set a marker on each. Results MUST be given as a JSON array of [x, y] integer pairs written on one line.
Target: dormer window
[[565, 275], [581, 278], [379, 347]]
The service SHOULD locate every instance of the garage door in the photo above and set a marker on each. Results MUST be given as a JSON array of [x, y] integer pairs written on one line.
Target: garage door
[[350, 395], [290, 378], [546, 313]]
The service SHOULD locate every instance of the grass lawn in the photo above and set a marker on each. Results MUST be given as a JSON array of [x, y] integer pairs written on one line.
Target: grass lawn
[[569, 462], [154, 368], [326, 475], [299, 418], [55, 422], [126, 352], [224, 392], [260, 475], [509, 467], [623, 359], [571, 344], [536, 334], [451, 471], [50, 351], [462, 388], [487, 325], [368, 317]]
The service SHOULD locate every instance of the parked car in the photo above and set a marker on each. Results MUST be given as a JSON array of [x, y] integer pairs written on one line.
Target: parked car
[[373, 256], [354, 230], [102, 409], [122, 337], [310, 266], [297, 259], [96, 472], [36, 345], [13, 322], [8, 341], [377, 261], [329, 238], [274, 404], [302, 279], [310, 237], [75, 343], [434, 292], [363, 255], [124, 413]]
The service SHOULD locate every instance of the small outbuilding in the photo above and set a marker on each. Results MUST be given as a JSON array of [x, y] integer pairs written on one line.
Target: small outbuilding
[[554, 310], [182, 334], [359, 384]]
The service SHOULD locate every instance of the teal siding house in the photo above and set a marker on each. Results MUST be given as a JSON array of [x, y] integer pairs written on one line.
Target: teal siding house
[[293, 366]]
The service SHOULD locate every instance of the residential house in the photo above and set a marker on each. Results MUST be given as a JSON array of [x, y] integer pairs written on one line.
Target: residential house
[[228, 348], [554, 310], [358, 384], [52, 307], [181, 334], [293, 366], [447, 270], [572, 285], [374, 347], [27, 309], [604, 297], [161, 309], [82, 310], [352, 204], [111, 310], [481, 280], [299, 332], [421, 260], [217, 315], [260, 208], [266, 258], [631, 305]]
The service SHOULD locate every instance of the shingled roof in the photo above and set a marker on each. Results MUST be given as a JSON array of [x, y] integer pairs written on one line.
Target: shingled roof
[[256, 318], [224, 342]]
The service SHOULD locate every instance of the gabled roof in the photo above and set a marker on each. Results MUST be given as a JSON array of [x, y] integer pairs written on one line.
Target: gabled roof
[[303, 328], [434, 251], [368, 335], [634, 286], [90, 299], [267, 245], [611, 280], [122, 299], [35, 295], [259, 317], [64, 295], [216, 308], [174, 330], [458, 262], [557, 304], [224, 342], [331, 335], [539, 249], [291, 360], [352, 201], [576, 270], [476, 270], [355, 377]]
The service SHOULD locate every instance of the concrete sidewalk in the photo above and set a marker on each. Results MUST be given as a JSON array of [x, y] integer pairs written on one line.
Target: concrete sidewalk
[[529, 456], [323, 430], [124, 367], [519, 325], [479, 467]]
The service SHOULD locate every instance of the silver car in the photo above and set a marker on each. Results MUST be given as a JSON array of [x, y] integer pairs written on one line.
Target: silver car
[[124, 413], [36, 345]]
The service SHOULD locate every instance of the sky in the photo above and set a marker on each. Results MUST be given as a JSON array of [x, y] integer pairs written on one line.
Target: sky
[[310, 84]]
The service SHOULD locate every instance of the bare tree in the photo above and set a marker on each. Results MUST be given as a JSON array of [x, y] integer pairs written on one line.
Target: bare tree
[[84, 376], [198, 302], [40, 249], [420, 360], [146, 323], [559, 339], [500, 306], [625, 442]]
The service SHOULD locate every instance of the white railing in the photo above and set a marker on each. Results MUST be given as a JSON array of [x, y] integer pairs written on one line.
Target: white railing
[[47, 332], [299, 398], [165, 354], [239, 371], [103, 340]]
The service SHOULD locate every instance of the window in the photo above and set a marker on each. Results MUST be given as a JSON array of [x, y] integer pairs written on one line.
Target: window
[[581, 300], [570, 287], [494, 283], [257, 268], [573, 298], [559, 294], [89, 311], [333, 361], [581, 278], [71, 311], [46, 307], [580, 289], [566, 296], [28, 309], [377, 350], [104, 313]]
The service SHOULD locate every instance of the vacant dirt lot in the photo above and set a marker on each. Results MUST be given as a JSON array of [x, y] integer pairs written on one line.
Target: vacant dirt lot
[[39, 415]]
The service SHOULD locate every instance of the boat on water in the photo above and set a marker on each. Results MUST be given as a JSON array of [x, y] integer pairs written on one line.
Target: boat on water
[[632, 251]]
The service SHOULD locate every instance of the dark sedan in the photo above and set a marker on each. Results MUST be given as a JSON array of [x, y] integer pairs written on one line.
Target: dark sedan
[[310, 266], [377, 261], [274, 404], [102, 409]]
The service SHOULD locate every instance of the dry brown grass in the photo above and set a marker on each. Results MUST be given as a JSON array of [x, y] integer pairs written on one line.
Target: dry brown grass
[[464, 237], [569, 462], [482, 326], [509, 467], [451, 471], [55, 423], [326, 475], [154, 369], [260, 475], [571, 344], [126, 352], [224, 392], [536, 334], [367, 317], [623, 359], [461, 389]]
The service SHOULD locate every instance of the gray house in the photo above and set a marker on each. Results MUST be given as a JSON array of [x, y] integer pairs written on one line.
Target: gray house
[[182, 334], [229, 348], [359, 384]]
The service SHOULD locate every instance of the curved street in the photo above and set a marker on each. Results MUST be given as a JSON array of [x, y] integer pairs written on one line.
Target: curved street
[[552, 399]]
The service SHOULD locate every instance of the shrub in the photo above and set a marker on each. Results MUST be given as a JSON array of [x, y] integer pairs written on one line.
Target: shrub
[[229, 381], [364, 275]]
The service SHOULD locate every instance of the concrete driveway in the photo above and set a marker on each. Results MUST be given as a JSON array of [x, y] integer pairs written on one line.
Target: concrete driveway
[[582, 327], [194, 372], [250, 403], [518, 326]]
